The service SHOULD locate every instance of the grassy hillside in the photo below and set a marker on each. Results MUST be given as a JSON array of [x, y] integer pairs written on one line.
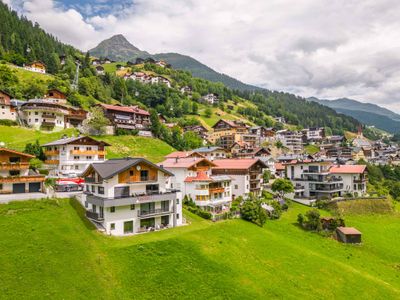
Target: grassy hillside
[[226, 260], [152, 149]]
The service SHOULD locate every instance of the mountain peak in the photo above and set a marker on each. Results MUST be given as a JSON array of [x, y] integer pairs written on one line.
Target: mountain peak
[[120, 40]]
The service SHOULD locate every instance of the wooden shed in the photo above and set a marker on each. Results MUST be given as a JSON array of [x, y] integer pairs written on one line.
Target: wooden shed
[[348, 235]]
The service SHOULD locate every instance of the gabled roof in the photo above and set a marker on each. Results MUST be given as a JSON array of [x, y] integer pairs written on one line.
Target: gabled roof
[[183, 154], [112, 167], [4, 92], [200, 176], [230, 123], [128, 109], [208, 149], [348, 169], [186, 162], [16, 152], [69, 140], [232, 163]]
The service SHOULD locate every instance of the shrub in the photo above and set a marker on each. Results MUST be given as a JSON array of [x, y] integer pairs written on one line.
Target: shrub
[[313, 221], [8, 123], [321, 204], [121, 131], [204, 214], [300, 219], [252, 211]]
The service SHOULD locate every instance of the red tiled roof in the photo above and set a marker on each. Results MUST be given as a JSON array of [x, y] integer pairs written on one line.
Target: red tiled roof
[[348, 169], [185, 162], [129, 109], [348, 230], [232, 163], [201, 176], [279, 167]]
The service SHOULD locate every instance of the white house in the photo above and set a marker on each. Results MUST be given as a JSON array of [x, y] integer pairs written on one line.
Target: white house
[[193, 176], [210, 98], [354, 177], [71, 156], [246, 174], [129, 195], [211, 152], [292, 140]]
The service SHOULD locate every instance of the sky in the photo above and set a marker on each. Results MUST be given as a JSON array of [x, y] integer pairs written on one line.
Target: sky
[[327, 49]]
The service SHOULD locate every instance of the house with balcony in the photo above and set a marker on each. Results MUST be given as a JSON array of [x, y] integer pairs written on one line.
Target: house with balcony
[[36, 66], [226, 132], [210, 98], [293, 140], [313, 179], [246, 174], [70, 156], [354, 177], [128, 117], [194, 178], [129, 195], [15, 175], [212, 152], [7, 110], [51, 113]]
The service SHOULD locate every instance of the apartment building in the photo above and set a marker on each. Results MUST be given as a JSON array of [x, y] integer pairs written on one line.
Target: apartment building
[[227, 132], [71, 156], [212, 152], [246, 174], [193, 176], [15, 175], [292, 140], [323, 179], [129, 195]]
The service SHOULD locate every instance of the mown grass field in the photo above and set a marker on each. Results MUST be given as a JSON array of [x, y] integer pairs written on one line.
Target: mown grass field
[[50, 252], [16, 138]]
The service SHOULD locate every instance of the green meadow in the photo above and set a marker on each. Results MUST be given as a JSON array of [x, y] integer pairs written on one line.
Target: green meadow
[[49, 251]]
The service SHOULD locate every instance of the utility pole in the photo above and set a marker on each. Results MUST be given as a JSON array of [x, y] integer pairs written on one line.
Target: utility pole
[[76, 78]]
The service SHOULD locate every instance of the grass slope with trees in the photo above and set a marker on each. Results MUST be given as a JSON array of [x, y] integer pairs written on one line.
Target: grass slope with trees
[[231, 259]]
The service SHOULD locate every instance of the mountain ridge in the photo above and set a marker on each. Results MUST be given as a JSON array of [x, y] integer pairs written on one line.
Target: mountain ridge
[[119, 48], [368, 113]]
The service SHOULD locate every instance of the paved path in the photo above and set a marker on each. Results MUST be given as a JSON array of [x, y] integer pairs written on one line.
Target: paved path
[[33, 196]]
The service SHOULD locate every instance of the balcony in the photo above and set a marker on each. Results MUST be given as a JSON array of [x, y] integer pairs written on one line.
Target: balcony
[[154, 212], [335, 188], [319, 171], [92, 180], [217, 190], [48, 116], [51, 152], [52, 162], [22, 179], [87, 152], [134, 199], [140, 179], [94, 216], [14, 166]]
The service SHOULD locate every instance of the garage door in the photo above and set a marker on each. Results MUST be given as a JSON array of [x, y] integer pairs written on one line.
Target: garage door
[[121, 192], [34, 187], [18, 188]]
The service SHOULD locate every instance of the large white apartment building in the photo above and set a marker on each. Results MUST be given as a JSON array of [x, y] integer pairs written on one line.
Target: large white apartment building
[[292, 140], [71, 156], [129, 195], [323, 179], [193, 176]]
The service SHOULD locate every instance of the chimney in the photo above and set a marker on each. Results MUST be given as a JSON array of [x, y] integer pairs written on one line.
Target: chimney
[[176, 159]]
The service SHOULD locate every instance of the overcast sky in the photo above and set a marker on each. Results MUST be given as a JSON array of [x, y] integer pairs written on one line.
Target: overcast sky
[[327, 49]]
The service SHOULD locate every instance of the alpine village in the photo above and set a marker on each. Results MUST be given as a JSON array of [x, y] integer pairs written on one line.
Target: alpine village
[[135, 179]]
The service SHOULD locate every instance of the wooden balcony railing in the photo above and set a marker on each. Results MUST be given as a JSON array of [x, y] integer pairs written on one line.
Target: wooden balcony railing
[[51, 152], [51, 162], [217, 190], [14, 166], [16, 179], [88, 152]]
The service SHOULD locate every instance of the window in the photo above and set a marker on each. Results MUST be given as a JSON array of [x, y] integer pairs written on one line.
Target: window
[[14, 159], [87, 188], [112, 209], [236, 187], [76, 157], [36, 120], [76, 148], [1, 186], [130, 173], [14, 172], [36, 113], [144, 175], [76, 167], [89, 158], [89, 148], [100, 190], [86, 204], [93, 188], [132, 206], [177, 201], [112, 226], [177, 216]]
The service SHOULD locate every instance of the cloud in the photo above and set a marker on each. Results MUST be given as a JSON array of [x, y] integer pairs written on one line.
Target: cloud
[[327, 49]]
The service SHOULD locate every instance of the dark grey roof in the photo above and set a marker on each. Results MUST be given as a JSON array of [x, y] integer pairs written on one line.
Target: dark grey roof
[[112, 167], [65, 141]]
